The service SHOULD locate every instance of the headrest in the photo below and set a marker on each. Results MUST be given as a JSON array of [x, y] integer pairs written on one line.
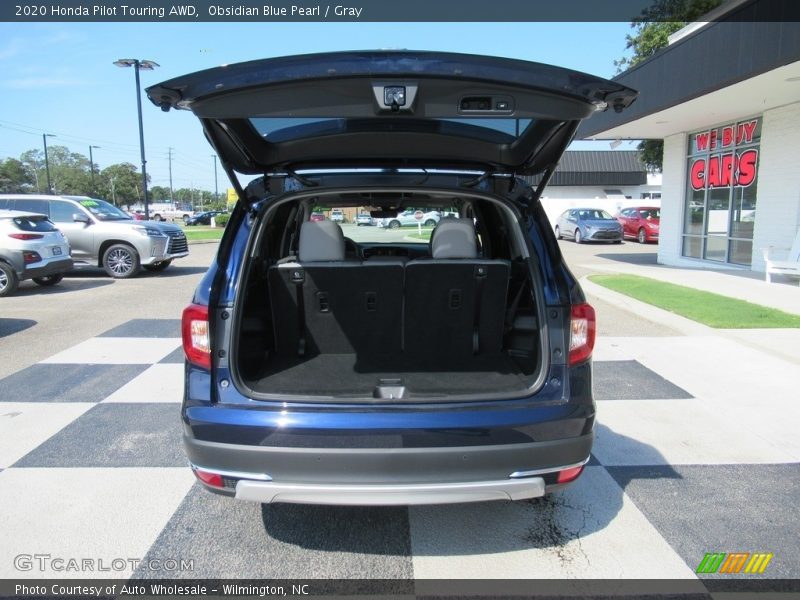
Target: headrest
[[320, 241], [454, 238]]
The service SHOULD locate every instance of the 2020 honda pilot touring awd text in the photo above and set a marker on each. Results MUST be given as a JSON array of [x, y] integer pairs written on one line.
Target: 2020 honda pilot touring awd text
[[386, 369]]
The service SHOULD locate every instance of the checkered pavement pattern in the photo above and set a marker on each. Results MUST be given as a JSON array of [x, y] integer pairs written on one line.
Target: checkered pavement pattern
[[697, 451]]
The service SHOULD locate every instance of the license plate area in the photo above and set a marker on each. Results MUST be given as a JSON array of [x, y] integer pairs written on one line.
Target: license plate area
[[56, 250]]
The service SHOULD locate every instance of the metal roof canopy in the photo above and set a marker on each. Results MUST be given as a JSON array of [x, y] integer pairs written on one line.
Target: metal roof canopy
[[741, 65]]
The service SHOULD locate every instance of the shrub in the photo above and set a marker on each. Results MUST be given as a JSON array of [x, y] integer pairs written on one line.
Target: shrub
[[221, 220]]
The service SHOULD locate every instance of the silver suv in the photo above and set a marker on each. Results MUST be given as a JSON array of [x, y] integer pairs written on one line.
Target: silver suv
[[102, 235]]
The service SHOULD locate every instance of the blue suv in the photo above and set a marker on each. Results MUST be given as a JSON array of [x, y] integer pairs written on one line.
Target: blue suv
[[334, 365]]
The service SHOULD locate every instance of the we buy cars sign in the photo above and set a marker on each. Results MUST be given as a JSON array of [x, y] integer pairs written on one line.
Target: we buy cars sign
[[724, 169]]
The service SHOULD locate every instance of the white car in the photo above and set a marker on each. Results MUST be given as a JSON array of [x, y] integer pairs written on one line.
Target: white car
[[408, 218], [31, 247], [337, 216]]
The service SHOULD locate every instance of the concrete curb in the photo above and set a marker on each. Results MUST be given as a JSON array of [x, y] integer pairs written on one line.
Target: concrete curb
[[780, 343], [646, 311]]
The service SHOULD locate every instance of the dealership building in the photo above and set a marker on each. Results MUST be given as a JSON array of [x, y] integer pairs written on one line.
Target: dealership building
[[725, 98]]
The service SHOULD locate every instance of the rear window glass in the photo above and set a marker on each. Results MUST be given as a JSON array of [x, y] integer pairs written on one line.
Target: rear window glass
[[650, 213], [406, 226], [41, 224], [283, 129]]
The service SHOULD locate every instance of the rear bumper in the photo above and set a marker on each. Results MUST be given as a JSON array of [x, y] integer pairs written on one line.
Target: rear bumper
[[388, 476], [54, 267]]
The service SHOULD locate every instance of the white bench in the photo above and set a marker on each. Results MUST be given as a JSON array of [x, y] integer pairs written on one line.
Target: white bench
[[788, 266]]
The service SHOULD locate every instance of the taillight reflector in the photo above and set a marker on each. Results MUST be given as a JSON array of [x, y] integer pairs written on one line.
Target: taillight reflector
[[568, 475], [29, 257], [195, 334], [212, 479], [582, 327]]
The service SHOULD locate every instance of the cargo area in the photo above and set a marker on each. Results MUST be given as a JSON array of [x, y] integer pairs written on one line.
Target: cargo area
[[326, 316]]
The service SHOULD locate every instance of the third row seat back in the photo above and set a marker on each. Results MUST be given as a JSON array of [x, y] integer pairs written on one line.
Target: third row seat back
[[342, 306], [455, 302]]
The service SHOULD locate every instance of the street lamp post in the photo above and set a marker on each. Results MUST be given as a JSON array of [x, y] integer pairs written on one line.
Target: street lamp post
[[147, 65], [216, 189], [91, 166], [47, 161]]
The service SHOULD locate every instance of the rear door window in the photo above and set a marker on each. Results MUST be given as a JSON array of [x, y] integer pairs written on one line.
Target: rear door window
[[61, 212], [30, 205]]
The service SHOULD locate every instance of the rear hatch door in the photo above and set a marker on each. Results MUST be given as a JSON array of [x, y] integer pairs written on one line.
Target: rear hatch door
[[390, 109]]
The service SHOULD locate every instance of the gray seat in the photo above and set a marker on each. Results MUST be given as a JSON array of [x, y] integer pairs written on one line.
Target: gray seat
[[323, 303], [455, 302]]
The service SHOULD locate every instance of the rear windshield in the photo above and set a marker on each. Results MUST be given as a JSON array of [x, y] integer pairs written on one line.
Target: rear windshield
[[40, 224], [408, 225], [283, 129], [650, 213]]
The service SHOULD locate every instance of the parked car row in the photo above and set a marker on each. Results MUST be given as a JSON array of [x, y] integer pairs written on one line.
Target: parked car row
[[42, 236], [597, 225]]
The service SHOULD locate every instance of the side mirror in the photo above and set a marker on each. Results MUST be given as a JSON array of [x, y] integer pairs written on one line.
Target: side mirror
[[81, 218]]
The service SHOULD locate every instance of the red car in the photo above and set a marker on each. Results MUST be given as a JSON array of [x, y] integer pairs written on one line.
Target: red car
[[317, 216], [640, 223]]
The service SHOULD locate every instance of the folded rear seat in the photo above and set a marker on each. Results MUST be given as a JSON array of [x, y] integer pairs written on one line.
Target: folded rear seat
[[323, 303], [455, 302]]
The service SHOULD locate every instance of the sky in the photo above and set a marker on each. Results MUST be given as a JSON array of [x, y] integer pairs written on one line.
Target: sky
[[58, 78]]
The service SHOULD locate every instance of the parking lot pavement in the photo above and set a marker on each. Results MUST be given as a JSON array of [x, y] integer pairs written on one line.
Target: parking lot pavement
[[696, 452], [682, 466]]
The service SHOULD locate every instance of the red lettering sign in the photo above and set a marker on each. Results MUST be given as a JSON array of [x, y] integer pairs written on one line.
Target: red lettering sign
[[727, 136], [701, 140], [745, 132], [722, 170]]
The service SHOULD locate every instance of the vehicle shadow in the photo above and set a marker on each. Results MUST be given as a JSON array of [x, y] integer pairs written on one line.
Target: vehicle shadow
[[550, 523], [66, 286], [12, 326], [633, 258]]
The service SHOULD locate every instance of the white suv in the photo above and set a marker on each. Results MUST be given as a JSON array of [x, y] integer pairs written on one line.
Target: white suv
[[31, 247]]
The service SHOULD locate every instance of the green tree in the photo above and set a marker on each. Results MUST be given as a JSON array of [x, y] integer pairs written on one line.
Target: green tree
[[121, 183], [69, 171], [159, 193], [651, 33], [14, 177]]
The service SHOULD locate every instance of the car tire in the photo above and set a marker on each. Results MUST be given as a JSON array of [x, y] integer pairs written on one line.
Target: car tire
[[394, 224], [558, 233], [8, 280], [121, 261], [186, 219], [641, 237], [157, 217], [48, 280], [578, 237], [158, 267], [429, 223]]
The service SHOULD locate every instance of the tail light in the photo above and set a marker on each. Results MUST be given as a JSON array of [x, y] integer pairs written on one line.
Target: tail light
[[30, 257], [212, 479], [582, 327], [196, 337], [568, 475], [26, 236]]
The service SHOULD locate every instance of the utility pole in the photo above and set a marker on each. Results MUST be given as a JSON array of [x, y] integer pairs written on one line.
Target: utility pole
[[171, 193], [91, 166], [47, 161]]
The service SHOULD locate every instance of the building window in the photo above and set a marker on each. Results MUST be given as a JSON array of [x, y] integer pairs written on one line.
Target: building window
[[720, 202]]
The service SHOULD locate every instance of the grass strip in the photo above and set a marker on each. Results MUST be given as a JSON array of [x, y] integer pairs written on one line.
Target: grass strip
[[714, 310]]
